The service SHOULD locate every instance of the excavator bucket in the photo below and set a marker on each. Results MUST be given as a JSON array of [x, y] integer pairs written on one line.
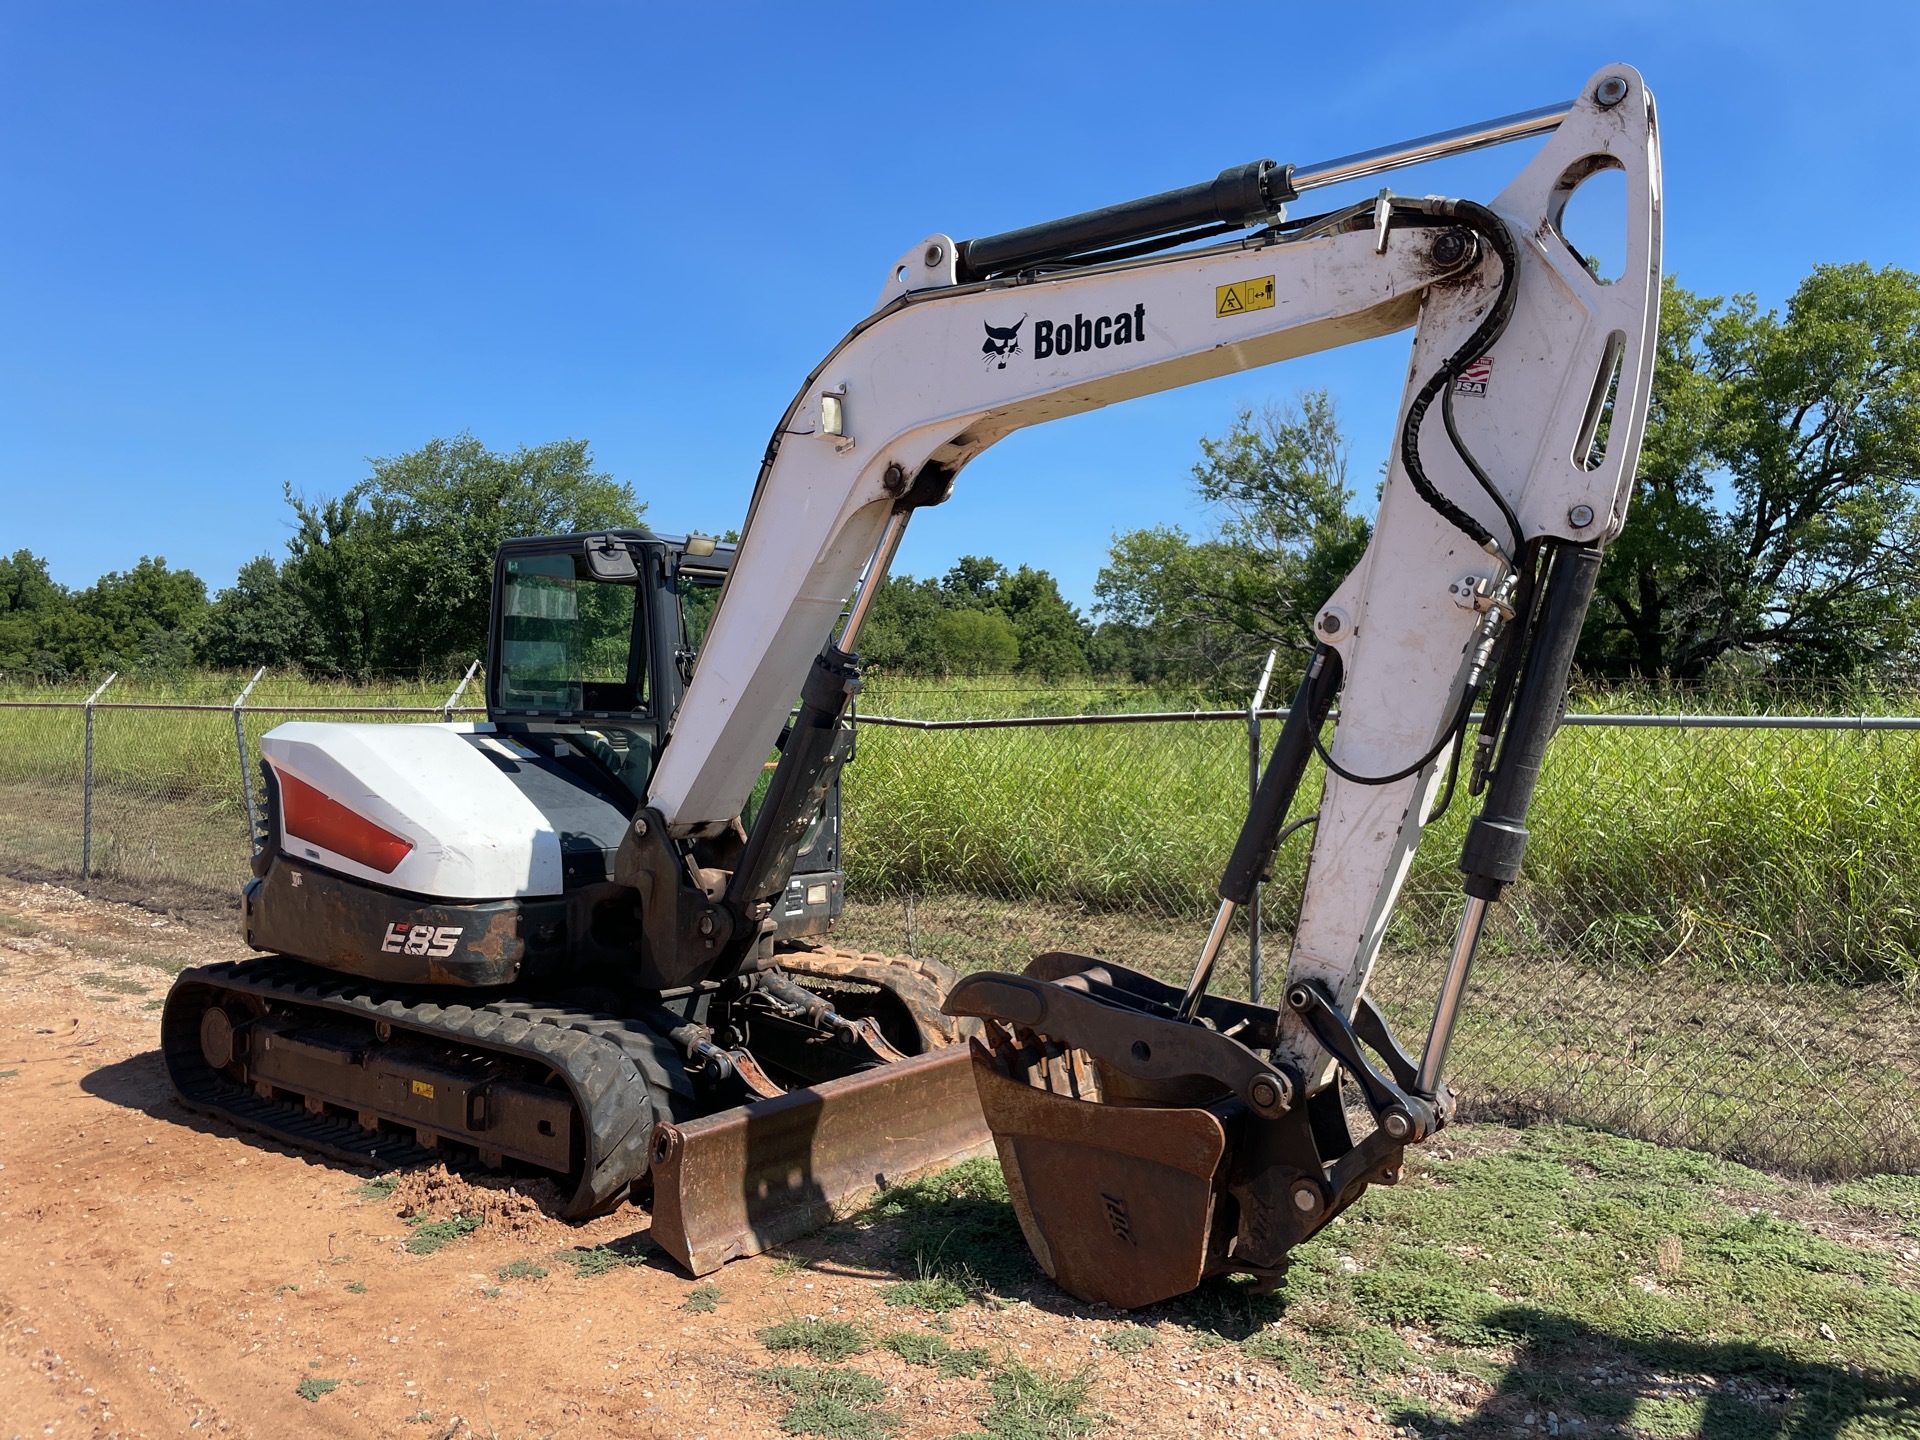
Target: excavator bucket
[[1117, 1204], [1144, 1152], [747, 1179]]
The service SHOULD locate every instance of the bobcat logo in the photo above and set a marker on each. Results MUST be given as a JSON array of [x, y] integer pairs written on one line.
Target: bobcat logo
[[1002, 342]]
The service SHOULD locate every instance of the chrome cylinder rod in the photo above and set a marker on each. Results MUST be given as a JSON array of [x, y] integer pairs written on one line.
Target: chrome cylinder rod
[[1459, 141], [876, 575], [1452, 990], [1203, 967]]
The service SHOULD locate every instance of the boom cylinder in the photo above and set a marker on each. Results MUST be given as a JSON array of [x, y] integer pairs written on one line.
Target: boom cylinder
[[808, 762]]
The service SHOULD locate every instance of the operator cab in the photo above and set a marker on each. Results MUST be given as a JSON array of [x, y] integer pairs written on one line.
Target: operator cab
[[592, 640], [592, 645]]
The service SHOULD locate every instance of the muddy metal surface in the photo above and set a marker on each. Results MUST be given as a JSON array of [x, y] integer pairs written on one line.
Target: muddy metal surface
[[161, 1274]]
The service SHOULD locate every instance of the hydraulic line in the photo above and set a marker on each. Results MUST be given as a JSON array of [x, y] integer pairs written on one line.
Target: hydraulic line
[[1454, 729], [1482, 221], [1513, 651]]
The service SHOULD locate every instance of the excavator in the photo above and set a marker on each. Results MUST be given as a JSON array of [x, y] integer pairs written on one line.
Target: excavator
[[587, 938]]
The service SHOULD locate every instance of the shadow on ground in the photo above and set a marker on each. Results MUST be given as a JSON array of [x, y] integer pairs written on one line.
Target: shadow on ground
[[1589, 1381], [140, 1083]]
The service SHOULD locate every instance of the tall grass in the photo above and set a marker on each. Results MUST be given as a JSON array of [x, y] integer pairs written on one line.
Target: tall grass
[[1765, 854], [1774, 854]]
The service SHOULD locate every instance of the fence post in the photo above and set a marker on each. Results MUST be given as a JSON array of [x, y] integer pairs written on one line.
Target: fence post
[[1253, 789], [86, 783], [240, 743], [451, 699]]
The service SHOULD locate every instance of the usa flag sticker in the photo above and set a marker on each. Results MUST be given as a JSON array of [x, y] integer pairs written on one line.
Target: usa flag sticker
[[1474, 379]]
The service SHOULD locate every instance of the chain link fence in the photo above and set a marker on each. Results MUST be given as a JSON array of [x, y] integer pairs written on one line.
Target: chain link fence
[[1717, 943], [156, 793]]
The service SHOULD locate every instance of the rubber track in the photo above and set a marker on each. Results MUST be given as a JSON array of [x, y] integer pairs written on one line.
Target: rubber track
[[921, 985], [619, 1073]]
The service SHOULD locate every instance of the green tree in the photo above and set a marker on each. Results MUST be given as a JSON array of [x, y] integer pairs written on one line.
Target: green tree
[[1777, 508], [143, 619], [35, 611], [1051, 634], [976, 642], [396, 573], [1028, 627], [1284, 537], [258, 621], [973, 583], [899, 633]]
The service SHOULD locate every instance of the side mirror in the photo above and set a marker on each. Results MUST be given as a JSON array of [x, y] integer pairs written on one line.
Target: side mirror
[[609, 559]]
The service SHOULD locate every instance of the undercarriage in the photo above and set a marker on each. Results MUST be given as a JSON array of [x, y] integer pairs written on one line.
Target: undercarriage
[[669, 1104]]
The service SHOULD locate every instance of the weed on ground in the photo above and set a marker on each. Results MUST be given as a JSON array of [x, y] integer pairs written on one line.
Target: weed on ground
[[932, 1291], [312, 1388], [1554, 1271], [378, 1188], [958, 1226], [1130, 1341], [1603, 1281], [1895, 1196], [837, 1404], [917, 1347], [521, 1270], [591, 1260], [1035, 1404], [118, 984], [703, 1299], [430, 1236], [822, 1339]]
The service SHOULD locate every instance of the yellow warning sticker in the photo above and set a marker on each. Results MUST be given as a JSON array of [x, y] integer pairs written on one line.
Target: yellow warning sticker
[[423, 1089], [1243, 295]]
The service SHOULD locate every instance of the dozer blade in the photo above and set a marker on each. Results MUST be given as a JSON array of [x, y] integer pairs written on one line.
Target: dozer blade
[[747, 1179]]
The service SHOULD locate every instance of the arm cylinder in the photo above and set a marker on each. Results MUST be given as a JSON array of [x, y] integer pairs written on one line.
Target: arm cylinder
[[1359, 166], [1242, 195]]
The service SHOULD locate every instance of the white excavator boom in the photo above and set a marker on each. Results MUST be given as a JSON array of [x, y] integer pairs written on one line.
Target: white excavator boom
[[942, 369], [1222, 1141]]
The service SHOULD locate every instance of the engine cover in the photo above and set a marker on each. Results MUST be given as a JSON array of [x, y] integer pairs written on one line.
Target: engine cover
[[472, 834]]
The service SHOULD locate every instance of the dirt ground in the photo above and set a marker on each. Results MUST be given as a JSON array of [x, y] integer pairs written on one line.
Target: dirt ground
[[164, 1274]]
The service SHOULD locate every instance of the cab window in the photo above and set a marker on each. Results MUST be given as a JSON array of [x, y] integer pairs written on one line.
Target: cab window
[[570, 644]]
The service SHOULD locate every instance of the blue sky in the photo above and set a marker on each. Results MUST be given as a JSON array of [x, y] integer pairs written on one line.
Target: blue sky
[[250, 245]]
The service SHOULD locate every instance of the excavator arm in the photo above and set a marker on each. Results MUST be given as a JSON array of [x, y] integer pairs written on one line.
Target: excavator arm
[[1153, 1135]]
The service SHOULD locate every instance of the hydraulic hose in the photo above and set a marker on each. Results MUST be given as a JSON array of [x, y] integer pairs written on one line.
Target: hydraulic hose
[[1483, 222]]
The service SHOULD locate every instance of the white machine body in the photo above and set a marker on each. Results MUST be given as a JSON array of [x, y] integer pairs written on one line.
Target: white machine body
[[941, 370], [473, 835]]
